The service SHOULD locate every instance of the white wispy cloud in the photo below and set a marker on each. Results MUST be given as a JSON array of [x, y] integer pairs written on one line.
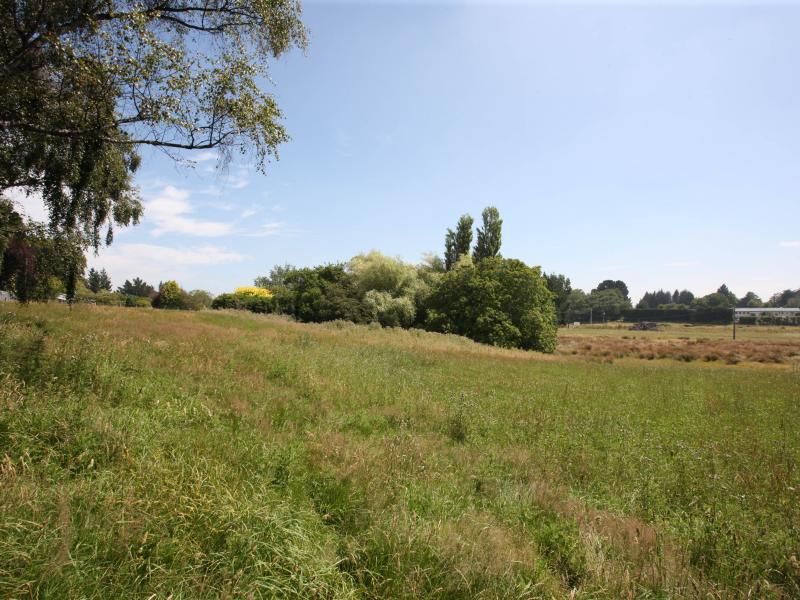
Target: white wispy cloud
[[268, 229], [170, 212], [790, 244]]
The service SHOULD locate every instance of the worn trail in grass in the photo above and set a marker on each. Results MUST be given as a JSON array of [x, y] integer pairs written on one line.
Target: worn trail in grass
[[212, 454]]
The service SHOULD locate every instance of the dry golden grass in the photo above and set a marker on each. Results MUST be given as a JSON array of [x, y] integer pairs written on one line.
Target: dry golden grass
[[699, 349]]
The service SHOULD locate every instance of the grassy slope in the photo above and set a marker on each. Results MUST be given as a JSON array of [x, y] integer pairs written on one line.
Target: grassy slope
[[206, 455]]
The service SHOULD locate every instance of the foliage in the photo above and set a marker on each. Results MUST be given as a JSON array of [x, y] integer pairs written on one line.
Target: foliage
[[576, 306], [38, 265], [253, 303], [489, 236], [98, 281], [450, 253], [785, 299], [275, 278], [325, 293], [498, 301], [197, 300], [724, 291], [375, 271], [388, 310], [250, 291], [610, 284], [750, 300], [134, 301], [170, 295], [137, 287], [464, 235], [715, 300], [84, 83], [608, 304], [560, 287]]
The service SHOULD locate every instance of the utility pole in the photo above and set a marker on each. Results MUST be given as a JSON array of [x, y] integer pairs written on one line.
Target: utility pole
[[734, 322], [590, 315]]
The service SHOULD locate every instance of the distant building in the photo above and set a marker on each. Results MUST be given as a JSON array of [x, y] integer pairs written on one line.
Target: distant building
[[773, 313]]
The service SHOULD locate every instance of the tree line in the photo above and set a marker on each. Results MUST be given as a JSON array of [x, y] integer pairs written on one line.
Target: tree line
[[469, 290]]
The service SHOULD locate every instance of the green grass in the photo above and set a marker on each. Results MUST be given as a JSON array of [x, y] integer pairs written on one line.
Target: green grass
[[225, 455]]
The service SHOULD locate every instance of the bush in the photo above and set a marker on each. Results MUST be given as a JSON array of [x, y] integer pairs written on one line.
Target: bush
[[137, 301], [254, 304], [389, 311]]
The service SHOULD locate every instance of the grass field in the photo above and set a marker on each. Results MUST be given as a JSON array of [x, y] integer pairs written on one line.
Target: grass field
[[158, 454]]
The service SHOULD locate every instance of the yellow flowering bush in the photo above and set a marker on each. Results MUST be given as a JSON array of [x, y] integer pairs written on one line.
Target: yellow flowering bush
[[250, 291]]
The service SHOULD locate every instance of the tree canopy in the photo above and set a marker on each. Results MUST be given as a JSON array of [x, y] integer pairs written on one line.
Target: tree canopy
[[490, 235], [497, 301], [87, 81]]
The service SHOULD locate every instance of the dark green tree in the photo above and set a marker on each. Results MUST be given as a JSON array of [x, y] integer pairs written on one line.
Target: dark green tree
[[497, 301], [489, 236], [607, 304], [463, 236], [98, 281], [450, 250], [610, 284], [137, 287], [750, 300], [732, 299], [38, 265], [560, 287]]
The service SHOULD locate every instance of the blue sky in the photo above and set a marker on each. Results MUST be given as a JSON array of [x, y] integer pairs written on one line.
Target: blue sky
[[658, 144]]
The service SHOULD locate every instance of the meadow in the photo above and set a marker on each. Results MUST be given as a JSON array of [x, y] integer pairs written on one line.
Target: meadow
[[157, 454]]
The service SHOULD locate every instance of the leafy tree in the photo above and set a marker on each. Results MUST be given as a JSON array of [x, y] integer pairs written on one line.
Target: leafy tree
[[732, 299], [324, 293], [276, 277], [450, 251], [715, 300], [685, 297], [376, 271], [87, 82], [463, 236], [197, 300], [610, 284], [11, 225], [497, 301], [576, 306], [170, 295], [390, 311], [750, 300], [432, 263], [98, 281], [561, 287], [38, 265], [489, 236], [653, 299], [608, 304], [785, 299], [137, 287]]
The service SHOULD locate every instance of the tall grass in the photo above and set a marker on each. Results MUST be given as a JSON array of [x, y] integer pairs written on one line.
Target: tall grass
[[226, 455]]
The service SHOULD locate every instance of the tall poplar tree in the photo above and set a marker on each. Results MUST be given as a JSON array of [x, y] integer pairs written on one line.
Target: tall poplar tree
[[489, 236]]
